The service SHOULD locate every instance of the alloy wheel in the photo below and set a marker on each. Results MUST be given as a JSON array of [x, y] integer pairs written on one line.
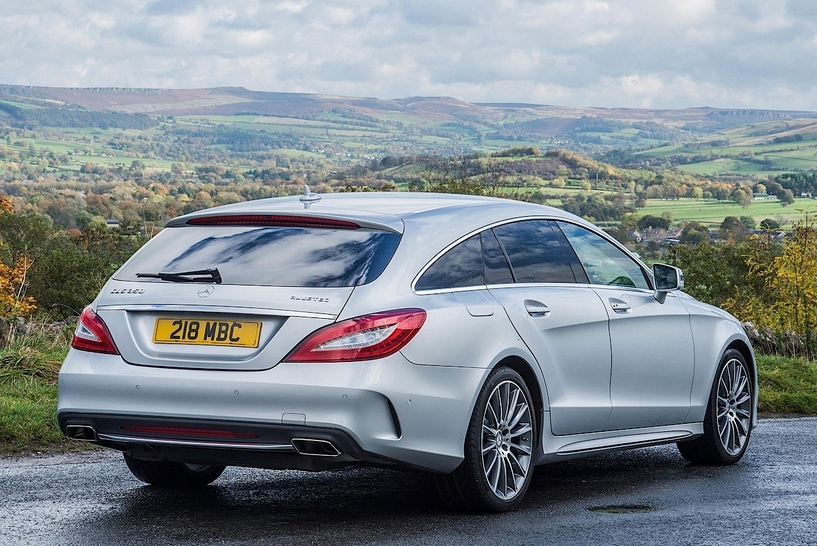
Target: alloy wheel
[[734, 406], [507, 440]]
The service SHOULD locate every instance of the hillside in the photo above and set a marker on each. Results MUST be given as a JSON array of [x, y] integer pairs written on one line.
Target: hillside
[[361, 127], [756, 149], [141, 156]]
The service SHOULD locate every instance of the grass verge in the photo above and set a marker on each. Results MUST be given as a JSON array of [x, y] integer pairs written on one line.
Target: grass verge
[[787, 385], [28, 393]]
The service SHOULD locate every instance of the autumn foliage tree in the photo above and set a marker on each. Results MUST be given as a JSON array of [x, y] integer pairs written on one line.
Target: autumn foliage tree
[[789, 301], [61, 270], [13, 280], [772, 285]]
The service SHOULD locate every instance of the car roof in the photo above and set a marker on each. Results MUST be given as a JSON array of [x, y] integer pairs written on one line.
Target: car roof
[[388, 210]]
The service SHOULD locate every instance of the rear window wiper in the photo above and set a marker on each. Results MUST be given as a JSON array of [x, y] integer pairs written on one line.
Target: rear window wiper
[[200, 275]]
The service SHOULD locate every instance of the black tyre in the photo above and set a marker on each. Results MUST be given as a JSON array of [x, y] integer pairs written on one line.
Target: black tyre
[[499, 444], [173, 474], [729, 414]]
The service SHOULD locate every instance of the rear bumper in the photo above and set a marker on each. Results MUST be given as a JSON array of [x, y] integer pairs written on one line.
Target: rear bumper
[[384, 412], [259, 445]]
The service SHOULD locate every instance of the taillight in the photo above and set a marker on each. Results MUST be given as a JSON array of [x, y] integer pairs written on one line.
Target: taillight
[[93, 335], [362, 338]]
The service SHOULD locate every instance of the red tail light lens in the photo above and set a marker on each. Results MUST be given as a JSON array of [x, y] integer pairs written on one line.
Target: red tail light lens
[[362, 338], [93, 335]]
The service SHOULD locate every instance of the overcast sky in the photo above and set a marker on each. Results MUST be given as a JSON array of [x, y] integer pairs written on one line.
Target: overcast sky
[[615, 53]]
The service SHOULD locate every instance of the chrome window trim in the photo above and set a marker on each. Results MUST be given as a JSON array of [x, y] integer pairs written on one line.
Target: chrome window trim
[[606, 237], [451, 290]]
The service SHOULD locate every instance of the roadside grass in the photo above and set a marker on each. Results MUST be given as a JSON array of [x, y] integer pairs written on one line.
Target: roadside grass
[[28, 393], [787, 385]]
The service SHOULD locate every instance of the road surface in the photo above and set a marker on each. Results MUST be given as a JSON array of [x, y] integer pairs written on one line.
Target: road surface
[[648, 496]]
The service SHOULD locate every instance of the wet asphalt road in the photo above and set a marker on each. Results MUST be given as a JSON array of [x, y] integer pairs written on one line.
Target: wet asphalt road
[[647, 496]]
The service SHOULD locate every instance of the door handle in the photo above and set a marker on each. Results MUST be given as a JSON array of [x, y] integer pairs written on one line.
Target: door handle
[[619, 306], [537, 309]]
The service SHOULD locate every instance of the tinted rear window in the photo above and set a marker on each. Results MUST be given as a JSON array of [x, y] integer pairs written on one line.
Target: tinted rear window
[[497, 270], [535, 252], [268, 256], [459, 267]]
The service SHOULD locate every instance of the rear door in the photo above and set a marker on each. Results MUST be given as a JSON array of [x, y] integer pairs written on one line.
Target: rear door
[[561, 320]]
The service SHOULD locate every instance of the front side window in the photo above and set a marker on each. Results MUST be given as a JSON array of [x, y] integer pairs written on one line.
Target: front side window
[[603, 262]]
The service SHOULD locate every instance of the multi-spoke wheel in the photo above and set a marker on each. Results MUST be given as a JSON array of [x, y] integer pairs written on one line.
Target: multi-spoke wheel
[[728, 420], [499, 447], [172, 473], [507, 442]]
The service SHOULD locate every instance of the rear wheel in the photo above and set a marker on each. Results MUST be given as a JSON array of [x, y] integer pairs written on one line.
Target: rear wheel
[[499, 444], [728, 420], [172, 473]]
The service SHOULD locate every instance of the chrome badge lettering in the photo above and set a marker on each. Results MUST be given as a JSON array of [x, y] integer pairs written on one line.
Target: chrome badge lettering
[[310, 298], [135, 291]]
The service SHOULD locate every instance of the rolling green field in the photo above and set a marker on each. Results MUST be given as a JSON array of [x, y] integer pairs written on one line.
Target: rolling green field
[[756, 149], [713, 212]]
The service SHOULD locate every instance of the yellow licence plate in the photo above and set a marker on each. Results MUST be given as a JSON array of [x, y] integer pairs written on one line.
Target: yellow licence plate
[[229, 333]]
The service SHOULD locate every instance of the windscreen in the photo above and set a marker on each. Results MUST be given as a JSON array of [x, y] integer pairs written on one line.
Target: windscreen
[[267, 256]]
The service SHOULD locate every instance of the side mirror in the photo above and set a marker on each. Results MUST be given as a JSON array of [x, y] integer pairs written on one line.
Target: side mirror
[[667, 279]]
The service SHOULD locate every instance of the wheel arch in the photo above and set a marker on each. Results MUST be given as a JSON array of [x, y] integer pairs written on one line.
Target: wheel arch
[[744, 349]]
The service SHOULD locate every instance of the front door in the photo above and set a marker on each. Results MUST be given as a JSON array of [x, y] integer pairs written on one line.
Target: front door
[[652, 350]]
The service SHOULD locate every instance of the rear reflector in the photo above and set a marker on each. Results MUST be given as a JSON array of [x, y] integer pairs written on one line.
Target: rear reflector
[[277, 220], [177, 432], [92, 334], [363, 338]]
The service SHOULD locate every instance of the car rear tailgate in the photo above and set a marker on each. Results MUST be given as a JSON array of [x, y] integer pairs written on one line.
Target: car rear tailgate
[[225, 327]]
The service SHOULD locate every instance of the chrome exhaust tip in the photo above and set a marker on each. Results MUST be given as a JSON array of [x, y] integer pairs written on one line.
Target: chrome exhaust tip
[[315, 448], [82, 433]]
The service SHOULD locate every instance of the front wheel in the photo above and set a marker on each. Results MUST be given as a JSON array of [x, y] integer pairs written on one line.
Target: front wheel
[[499, 444], [173, 474], [729, 414]]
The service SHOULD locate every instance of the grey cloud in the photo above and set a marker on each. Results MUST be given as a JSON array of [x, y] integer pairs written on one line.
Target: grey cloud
[[435, 13], [171, 7], [573, 52], [806, 9]]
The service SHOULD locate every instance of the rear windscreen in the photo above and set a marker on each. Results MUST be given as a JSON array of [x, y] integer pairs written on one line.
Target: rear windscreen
[[267, 256]]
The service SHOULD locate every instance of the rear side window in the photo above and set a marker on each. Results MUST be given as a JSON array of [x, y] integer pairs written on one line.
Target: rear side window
[[535, 253], [268, 256], [497, 270], [459, 267]]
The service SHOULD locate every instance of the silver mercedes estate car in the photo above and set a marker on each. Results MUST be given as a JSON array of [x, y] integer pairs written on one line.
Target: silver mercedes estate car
[[471, 337]]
